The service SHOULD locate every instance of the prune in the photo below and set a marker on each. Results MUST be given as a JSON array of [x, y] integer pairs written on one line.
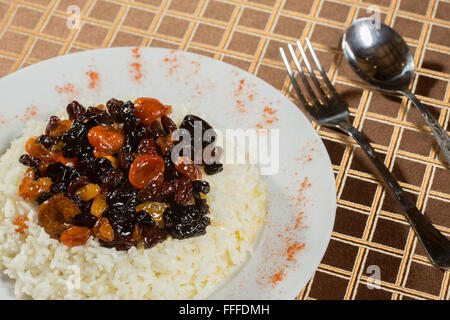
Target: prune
[[84, 220], [145, 219], [76, 111], [170, 172], [190, 122], [168, 125], [98, 117], [200, 186], [44, 197], [182, 191], [121, 222], [155, 130], [156, 192], [47, 141], [183, 222], [153, 236], [213, 168], [75, 236], [124, 244]]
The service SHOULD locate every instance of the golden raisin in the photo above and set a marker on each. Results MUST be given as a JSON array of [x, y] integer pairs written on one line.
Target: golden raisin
[[137, 233], [99, 205], [21, 223], [31, 189], [38, 151], [155, 209], [88, 192], [60, 128], [103, 230], [56, 213], [75, 236]]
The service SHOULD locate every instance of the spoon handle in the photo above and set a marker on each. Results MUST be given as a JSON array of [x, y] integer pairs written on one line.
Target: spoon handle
[[439, 132], [435, 244]]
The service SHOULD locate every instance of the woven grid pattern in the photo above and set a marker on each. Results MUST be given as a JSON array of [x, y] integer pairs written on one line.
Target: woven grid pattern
[[370, 228]]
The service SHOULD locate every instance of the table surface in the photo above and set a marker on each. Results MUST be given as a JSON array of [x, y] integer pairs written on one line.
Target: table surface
[[370, 235]]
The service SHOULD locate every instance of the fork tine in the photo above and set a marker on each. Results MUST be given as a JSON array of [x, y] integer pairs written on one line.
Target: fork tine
[[302, 75], [311, 72], [293, 81], [319, 66]]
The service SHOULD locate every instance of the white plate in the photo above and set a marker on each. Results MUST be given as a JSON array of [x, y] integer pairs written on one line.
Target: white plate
[[302, 198]]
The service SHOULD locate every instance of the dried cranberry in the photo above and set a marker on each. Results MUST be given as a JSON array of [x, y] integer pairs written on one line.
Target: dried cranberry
[[76, 111], [182, 191], [153, 236], [156, 192], [52, 123]]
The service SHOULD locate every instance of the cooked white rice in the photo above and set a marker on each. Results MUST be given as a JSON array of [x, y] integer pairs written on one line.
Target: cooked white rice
[[44, 268]]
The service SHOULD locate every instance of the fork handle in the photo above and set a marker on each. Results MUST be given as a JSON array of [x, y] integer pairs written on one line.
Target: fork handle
[[435, 244]]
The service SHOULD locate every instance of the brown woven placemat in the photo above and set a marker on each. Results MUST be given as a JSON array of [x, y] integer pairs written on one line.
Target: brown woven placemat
[[370, 231]]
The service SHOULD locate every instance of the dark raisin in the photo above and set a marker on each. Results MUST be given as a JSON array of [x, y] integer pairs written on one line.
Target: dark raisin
[[148, 146], [84, 220], [76, 183], [135, 132], [183, 222], [125, 159], [168, 125], [123, 244], [98, 117], [182, 191], [47, 141], [76, 111], [200, 186], [44, 197], [145, 219], [114, 107], [75, 141], [156, 192], [153, 236], [30, 161], [52, 123], [61, 176], [124, 197], [113, 180], [121, 222], [213, 168], [75, 199]]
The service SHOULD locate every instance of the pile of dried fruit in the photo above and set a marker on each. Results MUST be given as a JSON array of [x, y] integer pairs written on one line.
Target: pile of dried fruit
[[107, 172]]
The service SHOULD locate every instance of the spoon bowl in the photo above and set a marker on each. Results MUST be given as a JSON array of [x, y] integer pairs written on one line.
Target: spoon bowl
[[381, 57]]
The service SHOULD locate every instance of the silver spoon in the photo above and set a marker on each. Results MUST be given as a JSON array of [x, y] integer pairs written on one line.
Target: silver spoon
[[380, 56]]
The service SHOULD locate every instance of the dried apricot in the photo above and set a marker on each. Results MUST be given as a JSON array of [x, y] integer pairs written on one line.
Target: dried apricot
[[88, 192], [75, 236], [99, 205], [146, 169], [56, 213], [149, 109], [31, 189], [103, 230], [106, 139], [186, 167]]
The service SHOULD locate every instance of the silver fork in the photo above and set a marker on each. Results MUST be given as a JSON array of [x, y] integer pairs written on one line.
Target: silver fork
[[331, 110]]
